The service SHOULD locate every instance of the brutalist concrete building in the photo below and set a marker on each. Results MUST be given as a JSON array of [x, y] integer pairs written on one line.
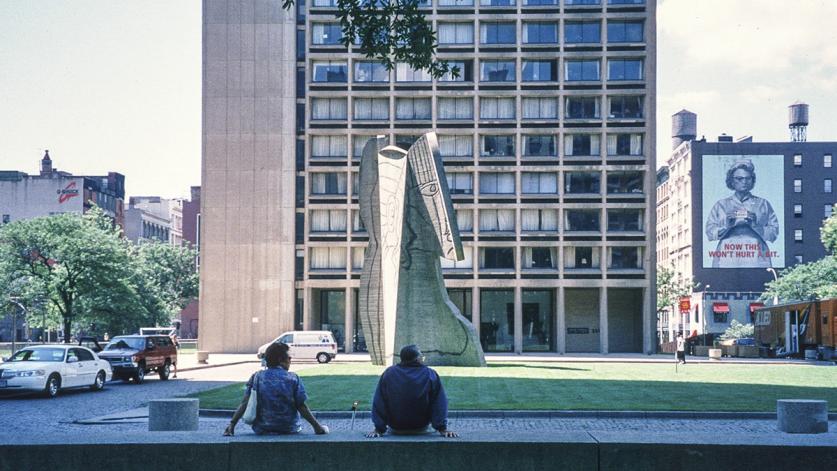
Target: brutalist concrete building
[[547, 136]]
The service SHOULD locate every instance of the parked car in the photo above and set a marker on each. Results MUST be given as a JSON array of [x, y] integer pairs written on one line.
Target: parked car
[[51, 368], [133, 356], [92, 343], [307, 345]]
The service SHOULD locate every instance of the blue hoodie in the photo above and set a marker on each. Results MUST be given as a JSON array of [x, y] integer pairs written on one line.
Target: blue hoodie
[[409, 397]]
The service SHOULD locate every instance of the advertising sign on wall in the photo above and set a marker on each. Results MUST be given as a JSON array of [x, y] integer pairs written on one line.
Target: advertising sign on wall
[[743, 211]]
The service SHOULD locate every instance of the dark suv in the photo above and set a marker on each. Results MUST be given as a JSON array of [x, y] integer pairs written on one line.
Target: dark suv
[[132, 356]]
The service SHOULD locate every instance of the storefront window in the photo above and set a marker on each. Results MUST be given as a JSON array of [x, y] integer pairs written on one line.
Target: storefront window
[[462, 299], [333, 315], [537, 320], [497, 320]]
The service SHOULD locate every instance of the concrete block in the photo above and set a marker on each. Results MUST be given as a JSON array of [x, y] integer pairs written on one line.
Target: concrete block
[[179, 414], [203, 356], [715, 353], [124, 457], [748, 351], [701, 351], [802, 416]]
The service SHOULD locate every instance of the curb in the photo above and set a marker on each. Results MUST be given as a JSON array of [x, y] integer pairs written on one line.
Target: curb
[[561, 414], [219, 365]]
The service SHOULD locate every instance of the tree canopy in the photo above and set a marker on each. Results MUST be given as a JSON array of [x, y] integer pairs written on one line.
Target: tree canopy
[[671, 286]]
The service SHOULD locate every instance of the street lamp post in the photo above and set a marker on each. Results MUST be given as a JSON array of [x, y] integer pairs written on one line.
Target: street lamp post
[[775, 278], [703, 317], [14, 301]]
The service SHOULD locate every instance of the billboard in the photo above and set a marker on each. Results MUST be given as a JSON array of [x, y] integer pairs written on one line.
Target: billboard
[[743, 211]]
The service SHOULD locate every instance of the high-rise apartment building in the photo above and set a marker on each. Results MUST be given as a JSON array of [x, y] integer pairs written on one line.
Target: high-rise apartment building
[[547, 136]]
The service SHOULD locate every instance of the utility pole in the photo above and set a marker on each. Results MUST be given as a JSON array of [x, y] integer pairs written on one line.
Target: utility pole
[[14, 300]]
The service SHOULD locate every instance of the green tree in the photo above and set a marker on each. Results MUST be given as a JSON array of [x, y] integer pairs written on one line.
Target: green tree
[[390, 31], [167, 274], [71, 261], [813, 279], [737, 330], [671, 286]]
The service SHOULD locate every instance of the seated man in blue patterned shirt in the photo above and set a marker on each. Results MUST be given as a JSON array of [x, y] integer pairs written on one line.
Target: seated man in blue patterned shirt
[[409, 397], [281, 397]]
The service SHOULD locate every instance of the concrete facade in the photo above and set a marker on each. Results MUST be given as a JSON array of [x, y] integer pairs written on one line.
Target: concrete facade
[[541, 154], [248, 179]]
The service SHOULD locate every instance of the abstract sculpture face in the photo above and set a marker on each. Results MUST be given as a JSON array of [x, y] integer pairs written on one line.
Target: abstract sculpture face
[[407, 211]]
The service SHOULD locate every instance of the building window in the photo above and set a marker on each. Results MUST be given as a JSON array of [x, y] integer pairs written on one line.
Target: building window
[[624, 182], [582, 107], [826, 185], [462, 299], [497, 71], [455, 108], [465, 72], [357, 223], [581, 144], [826, 161], [797, 160], [624, 220], [456, 3], [326, 34], [586, 70], [498, 33], [501, 258], [358, 143], [358, 254], [582, 2], [539, 183], [325, 3], [797, 235], [624, 257], [371, 71], [371, 109], [496, 220], [456, 146], [540, 108], [404, 73], [797, 185], [496, 183], [798, 258], [325, 220], [497, 146], [624, 69], [405, 141], [328, 146], [531, 3], [330, 71], [624, 31], [328, 109], [300, 46], [582, 257], [582, 32], [582, 220], [497, 320], [582, 182], [497, 108], [625, 2], [456, 33], [498, 3], [7, 218], [797, 210], [460, 183], [719, 317], [466, 264], [624, 144], [625, 107], [829, 210], [540, 71], [540, 33], [538, 311], [541, 145], [412, 108], [331, 183], [540, 258], [328, 258], [538, 220], [465, 222]]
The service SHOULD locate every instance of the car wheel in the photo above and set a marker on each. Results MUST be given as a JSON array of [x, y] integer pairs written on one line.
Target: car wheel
[[99, 383], [53, 386], [323, 357], [164, 371], [139, 376]]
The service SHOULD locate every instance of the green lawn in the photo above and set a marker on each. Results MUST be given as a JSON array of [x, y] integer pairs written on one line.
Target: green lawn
[[577, 386]]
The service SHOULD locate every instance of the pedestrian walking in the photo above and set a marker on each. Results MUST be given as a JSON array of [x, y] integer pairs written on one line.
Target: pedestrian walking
[[681, 349]]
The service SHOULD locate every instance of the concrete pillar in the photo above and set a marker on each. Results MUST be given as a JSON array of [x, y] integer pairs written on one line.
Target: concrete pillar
[[475, 309], [560, 323], [306, 309], [603, 320], [649, 322], [518, 320], [350, 320]]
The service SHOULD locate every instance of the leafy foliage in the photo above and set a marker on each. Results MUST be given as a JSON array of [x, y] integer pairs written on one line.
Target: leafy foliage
[[737, 330], [813, 279], [390, 31], [671, 286], [78, 270]]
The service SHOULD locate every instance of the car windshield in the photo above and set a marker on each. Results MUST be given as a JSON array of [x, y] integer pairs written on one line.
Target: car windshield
[[132, 343], [39, 354]]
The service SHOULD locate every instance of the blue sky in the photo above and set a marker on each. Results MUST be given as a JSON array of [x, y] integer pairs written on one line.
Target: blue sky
[[116, 85]]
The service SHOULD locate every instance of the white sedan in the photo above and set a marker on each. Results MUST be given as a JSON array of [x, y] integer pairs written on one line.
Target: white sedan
[[51, 368]]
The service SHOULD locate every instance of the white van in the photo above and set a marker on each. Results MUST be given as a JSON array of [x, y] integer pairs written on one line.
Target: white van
[[307, 345]]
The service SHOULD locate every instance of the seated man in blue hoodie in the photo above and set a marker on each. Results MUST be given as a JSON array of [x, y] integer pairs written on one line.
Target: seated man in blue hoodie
[[409, 397]]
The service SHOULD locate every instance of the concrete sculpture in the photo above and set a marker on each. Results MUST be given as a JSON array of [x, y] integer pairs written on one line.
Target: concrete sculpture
[[407, 211]]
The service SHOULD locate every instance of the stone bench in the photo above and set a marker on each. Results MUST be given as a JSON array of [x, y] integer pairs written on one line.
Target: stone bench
[[202, 356], [802, 415], [179, 414]]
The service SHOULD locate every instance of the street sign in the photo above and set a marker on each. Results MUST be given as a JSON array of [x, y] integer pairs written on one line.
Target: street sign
[[685, 304]]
